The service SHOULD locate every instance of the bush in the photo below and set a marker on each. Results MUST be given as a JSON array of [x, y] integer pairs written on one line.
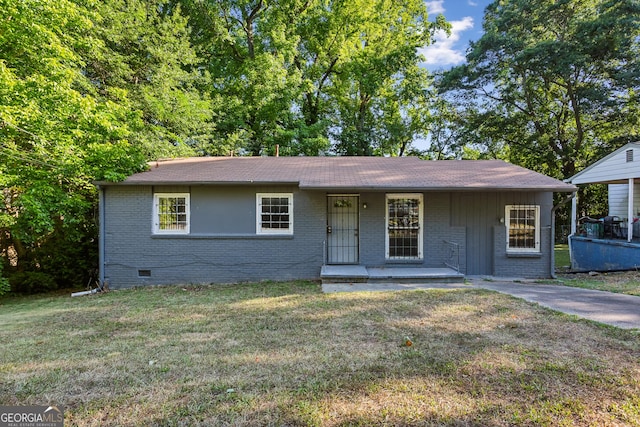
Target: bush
[[30, 282], [5, 287]]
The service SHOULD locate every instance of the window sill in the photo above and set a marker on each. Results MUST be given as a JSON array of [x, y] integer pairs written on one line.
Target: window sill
[[524, 254], [403, 261], [224, 236]]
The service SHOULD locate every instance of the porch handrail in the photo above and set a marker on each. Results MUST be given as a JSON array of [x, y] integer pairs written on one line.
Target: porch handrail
[[452, 255]]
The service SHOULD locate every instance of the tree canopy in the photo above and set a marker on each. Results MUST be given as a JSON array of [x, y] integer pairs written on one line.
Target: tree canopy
[[551, 85], [313, 76], [91, 89]]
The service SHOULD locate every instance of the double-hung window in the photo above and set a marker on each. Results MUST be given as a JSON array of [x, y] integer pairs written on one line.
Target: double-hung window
[[404, 226], [274, 213], [523, 228], [171, 213]]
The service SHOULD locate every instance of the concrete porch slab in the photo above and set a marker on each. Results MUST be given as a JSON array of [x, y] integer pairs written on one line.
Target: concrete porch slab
[[362, 274], [378, 273], [355, 271]]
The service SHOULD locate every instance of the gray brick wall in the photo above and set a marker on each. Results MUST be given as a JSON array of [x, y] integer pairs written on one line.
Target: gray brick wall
[[217, 257], [224, 248]]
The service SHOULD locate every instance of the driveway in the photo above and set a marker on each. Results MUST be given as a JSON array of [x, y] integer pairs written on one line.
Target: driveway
[[618, 310]]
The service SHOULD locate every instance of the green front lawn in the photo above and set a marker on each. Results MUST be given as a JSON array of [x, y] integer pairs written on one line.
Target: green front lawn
[[562, 259], [624, 282], [287, 354]]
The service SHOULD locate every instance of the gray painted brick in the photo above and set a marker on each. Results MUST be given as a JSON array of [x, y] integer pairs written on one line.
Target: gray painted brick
[[221, 252]]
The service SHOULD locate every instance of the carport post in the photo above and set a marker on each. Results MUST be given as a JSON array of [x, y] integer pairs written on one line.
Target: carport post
[[630, 211]]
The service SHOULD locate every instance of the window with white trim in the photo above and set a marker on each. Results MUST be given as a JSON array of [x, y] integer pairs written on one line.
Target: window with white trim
[[404, 226], [523, 228], [274, 213], [171, 213]]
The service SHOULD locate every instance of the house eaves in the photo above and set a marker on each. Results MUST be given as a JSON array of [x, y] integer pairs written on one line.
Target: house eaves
[[348, 173]]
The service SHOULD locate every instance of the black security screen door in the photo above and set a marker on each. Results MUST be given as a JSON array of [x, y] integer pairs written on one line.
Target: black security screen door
[[342, 229]]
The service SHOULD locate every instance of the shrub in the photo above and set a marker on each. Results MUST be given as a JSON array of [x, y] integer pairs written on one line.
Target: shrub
[[29, 282], [5, 287]]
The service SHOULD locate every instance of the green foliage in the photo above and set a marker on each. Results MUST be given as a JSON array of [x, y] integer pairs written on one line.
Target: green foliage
[[141, 55], [550, 84], [55, 139], [5, 286], [30, 282], [314, 76]]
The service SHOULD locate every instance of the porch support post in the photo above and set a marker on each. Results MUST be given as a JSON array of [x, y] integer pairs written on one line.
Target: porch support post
[[574, 214], [630, 211]]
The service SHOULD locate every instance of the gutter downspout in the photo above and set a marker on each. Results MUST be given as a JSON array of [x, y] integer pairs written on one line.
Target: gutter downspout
[[101, 236], [567, 199]]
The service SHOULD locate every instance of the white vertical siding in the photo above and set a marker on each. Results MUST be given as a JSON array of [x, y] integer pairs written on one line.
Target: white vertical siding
[[618, 195]]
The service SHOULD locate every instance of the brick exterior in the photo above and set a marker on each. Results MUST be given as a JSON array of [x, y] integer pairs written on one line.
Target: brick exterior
[[224, 248]]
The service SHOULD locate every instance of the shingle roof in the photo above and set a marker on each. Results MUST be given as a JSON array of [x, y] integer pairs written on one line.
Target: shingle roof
[[354, 173]]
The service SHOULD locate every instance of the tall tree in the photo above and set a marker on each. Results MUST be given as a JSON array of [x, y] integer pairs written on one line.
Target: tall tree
[[383, 95], [300, 73], [550, 81], [54, 140], [142, 53], [249, 48]]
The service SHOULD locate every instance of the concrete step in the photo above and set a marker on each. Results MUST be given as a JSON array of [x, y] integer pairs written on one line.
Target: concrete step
[[362, 274]]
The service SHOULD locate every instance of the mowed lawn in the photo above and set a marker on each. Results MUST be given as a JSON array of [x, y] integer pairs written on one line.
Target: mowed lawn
[[624, 282], [287, 354]]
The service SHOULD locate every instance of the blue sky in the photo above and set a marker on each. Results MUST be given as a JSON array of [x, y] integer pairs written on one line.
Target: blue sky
[[465, 17]]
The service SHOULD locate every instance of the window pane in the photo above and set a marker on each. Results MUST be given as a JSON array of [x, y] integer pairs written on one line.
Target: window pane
[[403, 243], [403, 227], [274, 213], [522, 228], [172, 213]]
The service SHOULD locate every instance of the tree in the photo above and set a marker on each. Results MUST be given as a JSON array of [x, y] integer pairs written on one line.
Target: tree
[[300, 73], [141, 53], [379, 90], [248, 49], [550, 81], [54, 140]]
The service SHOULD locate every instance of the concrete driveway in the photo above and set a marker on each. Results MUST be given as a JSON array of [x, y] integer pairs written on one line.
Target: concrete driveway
[[618, 310]]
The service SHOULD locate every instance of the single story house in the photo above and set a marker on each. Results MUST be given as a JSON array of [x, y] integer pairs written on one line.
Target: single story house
[[614, 243], [232, 219]]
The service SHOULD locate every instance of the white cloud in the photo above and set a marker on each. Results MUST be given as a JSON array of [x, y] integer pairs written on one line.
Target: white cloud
[[435, 7], [472, 3], [445, 51]]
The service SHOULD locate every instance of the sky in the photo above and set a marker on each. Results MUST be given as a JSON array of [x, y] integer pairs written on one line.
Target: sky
[[465, 17]]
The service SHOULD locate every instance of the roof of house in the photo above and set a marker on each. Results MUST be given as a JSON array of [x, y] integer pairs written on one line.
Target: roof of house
[[354, 173], [617, 167]]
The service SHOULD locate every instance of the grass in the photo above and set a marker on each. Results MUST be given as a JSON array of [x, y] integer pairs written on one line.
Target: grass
[[627, 282], [287, 354], [562, 259]]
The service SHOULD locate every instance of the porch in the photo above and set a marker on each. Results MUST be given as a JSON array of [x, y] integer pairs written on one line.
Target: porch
[[363, 274]]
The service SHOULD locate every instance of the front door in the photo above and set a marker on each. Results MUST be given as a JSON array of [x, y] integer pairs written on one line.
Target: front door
[[342, 229]]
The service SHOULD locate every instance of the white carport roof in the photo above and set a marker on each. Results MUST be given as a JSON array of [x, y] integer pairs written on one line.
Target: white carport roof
[[616, 168]]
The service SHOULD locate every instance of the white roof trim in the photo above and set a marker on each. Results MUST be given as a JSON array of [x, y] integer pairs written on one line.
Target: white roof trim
[[621, 176]]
